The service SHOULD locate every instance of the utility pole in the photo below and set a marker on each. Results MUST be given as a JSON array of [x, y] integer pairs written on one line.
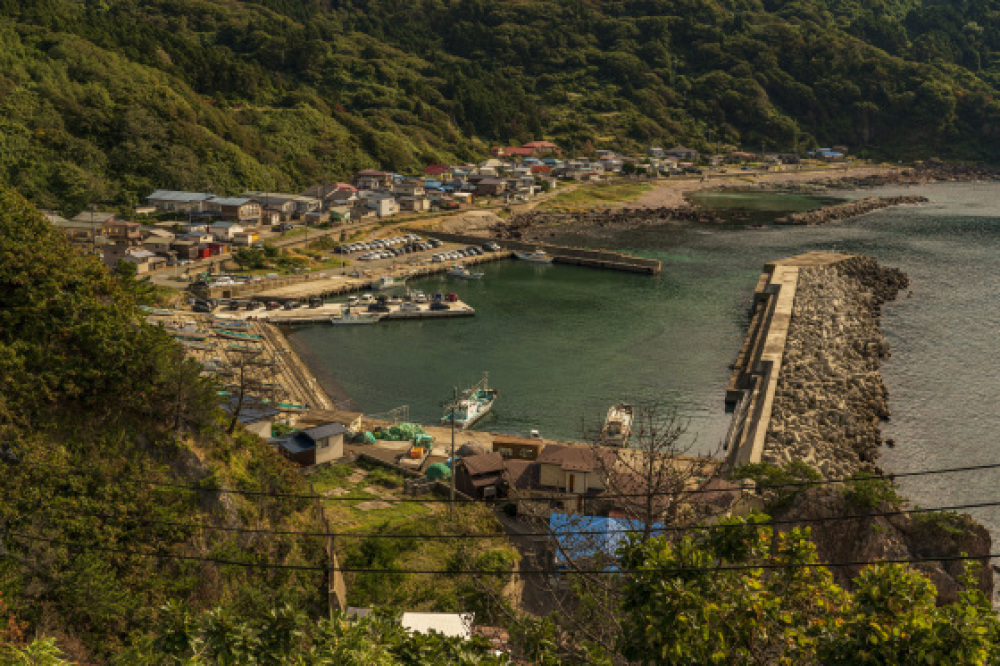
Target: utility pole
[[454, 401]]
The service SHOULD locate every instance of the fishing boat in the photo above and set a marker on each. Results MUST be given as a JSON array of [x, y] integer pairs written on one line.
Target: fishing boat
[[231, 323], [350, 318], [539, 256], [245, 348], [462, 272], [197, 345], [474, 404], [189, 334], [387, 282], [233, 335], [618, 426], [159, 312]]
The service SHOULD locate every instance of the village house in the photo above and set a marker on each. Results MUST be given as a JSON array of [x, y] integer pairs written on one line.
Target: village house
[[384, 205], [245, 238], [372, 179], [409, 188], [171, 201], [161, 245], [123, 233], [185, 249], [224, 231], [420, 204], [78, 232], [235, 209], [291, 206], [683, 153], [325, 193], [143, 260], [542, 147], [339, 214], [315, 445]]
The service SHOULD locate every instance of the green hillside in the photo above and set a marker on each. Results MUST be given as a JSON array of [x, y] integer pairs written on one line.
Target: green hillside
[[106, 99], [110, 451]]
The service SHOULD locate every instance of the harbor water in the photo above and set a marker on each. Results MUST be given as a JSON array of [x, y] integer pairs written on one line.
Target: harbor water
[[564, 343]]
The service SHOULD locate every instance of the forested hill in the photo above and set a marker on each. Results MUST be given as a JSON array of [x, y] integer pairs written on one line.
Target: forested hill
[[106, 99], [111, 453]]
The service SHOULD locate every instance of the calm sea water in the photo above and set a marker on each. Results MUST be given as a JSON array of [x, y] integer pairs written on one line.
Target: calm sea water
[[563, 343]]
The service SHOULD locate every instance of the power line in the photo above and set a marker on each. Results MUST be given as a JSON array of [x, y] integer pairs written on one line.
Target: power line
[[491, 572], [557, 533], [342, 498]]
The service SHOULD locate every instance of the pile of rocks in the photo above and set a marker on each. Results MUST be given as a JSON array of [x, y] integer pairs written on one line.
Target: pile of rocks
[[847, 210], [830, 396]]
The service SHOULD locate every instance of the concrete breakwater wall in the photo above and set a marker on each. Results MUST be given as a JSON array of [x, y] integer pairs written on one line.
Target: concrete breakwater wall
[[568, 255], [806, 385], [847, 210]]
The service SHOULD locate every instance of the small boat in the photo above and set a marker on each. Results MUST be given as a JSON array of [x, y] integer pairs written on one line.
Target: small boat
[[463, 273], [618, 426], [197, 345], [231, 323], [387, 282], [474, 404], [189, 335], [349, 318], [245, 348], [233, 335], [539, 256]]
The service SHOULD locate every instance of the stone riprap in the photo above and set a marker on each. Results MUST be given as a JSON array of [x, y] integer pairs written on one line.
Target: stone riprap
[[847, 210], [830, 396]]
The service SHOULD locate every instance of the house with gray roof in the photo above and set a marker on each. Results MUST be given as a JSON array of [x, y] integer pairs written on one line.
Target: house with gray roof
[[172, 201], [315, 445]]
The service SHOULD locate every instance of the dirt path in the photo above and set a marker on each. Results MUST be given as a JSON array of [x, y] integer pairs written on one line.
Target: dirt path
[[672, 192]]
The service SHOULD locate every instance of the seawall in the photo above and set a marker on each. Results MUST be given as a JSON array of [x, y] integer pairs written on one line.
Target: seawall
[[806, 385], [567, 255]]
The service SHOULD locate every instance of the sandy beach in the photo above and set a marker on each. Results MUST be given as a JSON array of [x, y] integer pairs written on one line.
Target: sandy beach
[[671, 192]]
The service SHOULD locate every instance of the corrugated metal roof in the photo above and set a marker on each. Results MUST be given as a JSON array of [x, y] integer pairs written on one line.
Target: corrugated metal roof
[[172, 195], [450, 624], [230, 201]]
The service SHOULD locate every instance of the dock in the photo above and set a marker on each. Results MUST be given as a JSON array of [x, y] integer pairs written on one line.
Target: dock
[[324, 313]]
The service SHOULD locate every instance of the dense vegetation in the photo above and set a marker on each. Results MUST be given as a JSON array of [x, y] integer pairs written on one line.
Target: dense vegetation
[[98, 410], [103, 100]]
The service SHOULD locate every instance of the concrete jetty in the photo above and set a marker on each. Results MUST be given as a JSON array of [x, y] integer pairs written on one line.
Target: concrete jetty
[[806, 385]]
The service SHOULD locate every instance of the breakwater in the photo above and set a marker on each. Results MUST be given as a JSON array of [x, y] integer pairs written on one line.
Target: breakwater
[[847, 210], [806, 385], [523, 226], [568, 255]]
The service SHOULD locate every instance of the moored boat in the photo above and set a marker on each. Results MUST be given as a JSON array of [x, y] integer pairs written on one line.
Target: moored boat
[[462, 272], [539, 256], [618, 426], [474, 404], [233, 335], [347, 318]]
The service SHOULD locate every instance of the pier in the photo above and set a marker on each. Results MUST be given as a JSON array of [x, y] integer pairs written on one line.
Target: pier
[[324, 313], [753, 384]]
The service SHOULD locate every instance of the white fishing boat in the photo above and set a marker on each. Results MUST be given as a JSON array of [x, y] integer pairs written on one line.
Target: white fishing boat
[[463, 273], [539, 256], [388, 282], [618, 426], [352, 318], [474, 404]]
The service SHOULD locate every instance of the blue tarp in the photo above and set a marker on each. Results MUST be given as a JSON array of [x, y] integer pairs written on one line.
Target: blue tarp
[[602, 537]]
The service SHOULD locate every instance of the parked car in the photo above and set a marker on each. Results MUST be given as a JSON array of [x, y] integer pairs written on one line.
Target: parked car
[[378, 307], [451, 297], [440, 305]]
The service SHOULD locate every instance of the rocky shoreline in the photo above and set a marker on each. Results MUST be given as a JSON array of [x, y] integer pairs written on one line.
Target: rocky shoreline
[[847, 210], [830, 396]]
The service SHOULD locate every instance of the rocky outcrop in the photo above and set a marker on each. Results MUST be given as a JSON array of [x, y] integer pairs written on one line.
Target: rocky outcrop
[[830, 396], [518, 225], [892, 537], [847, 210]]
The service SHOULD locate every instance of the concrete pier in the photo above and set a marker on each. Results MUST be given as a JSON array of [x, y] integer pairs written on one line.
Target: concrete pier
[[754, 381]]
